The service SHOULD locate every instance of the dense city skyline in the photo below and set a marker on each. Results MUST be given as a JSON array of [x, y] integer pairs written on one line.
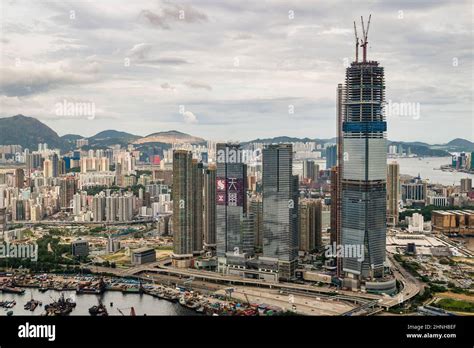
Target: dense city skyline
[[157, 66], [282, 160]]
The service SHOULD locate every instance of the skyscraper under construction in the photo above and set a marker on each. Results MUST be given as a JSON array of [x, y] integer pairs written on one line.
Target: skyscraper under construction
[[363, 180]]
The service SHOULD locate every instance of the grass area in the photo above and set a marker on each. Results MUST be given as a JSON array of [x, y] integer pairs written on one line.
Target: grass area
[[469, 297], [455, 305], [119, 257]]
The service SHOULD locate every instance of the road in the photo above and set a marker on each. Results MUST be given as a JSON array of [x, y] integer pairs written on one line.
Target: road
[[411, 285], [213, 277], [78, 223]]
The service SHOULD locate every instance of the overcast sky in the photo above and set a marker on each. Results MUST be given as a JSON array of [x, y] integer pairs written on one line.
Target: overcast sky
[[233, 70]]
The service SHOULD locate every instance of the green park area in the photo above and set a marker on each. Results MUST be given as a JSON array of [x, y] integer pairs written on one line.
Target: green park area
[[455, 305]]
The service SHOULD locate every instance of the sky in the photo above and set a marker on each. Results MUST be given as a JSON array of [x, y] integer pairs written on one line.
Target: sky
[[233, 70]]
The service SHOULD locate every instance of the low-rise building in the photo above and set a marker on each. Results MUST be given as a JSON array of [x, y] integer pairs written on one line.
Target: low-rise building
[[80, 247], [453, 222], [143, 255]]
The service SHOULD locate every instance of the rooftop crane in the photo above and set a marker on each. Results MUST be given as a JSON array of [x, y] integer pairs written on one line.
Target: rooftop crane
[[357, 42], [364, 41]]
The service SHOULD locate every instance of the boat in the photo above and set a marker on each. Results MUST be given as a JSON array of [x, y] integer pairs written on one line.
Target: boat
[[132, 289], [88, 288], [99, 310], [7, 304], [31, 305], [60, 307], [12, 290]]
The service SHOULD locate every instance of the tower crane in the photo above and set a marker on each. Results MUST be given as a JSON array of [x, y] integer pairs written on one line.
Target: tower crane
[[364, 41], [357, 42]]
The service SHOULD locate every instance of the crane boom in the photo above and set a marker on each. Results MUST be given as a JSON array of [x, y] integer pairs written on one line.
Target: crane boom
[[357, 43], [368, 25], [365, 33]]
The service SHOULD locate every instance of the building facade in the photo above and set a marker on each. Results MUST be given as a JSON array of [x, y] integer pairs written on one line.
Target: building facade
[[231, 197], [280, 208], [210, 209], [310, 227], [364, 172], [393, 193], [182, 204]]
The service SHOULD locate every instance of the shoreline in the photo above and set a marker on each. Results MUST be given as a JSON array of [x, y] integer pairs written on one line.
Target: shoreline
[[211, 305]]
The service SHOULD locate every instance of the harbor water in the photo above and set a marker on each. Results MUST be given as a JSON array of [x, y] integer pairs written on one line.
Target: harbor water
[[142, 303], [428, 169]]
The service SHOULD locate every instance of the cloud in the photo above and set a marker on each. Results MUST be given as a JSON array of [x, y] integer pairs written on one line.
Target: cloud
[[242, 36], [140, 50], [198, 85], [336, 31], [30, 78], [282, 61], [168, 61], [155, 19], [173, 13], [166, 85], [143, 53], [189, 117]]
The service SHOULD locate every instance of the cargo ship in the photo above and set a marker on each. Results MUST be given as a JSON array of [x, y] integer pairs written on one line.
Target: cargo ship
[[12, 290]]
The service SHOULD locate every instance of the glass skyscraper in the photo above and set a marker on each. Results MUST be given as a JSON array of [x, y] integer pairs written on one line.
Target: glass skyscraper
[[280, 208], [364, 170], [231, 196], [209, 225]]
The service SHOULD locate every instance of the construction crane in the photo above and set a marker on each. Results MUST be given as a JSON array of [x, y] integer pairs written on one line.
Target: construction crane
[[246, 297], [357, 42], [132, 311], [364, 41]]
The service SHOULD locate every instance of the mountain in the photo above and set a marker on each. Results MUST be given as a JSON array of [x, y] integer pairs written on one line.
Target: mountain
[[459, 144], [71, 137], [113, 134], [286, 139], [420, 150], [424, 149], [27, 132], [170, 137], [69, 141], [111, 137], [416, 147]]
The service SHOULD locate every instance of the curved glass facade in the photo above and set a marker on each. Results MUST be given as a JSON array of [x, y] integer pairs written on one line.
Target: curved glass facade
[[364, 170]]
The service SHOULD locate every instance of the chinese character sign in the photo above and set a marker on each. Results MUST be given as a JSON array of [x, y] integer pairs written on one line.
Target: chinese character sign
[[229, 191]]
